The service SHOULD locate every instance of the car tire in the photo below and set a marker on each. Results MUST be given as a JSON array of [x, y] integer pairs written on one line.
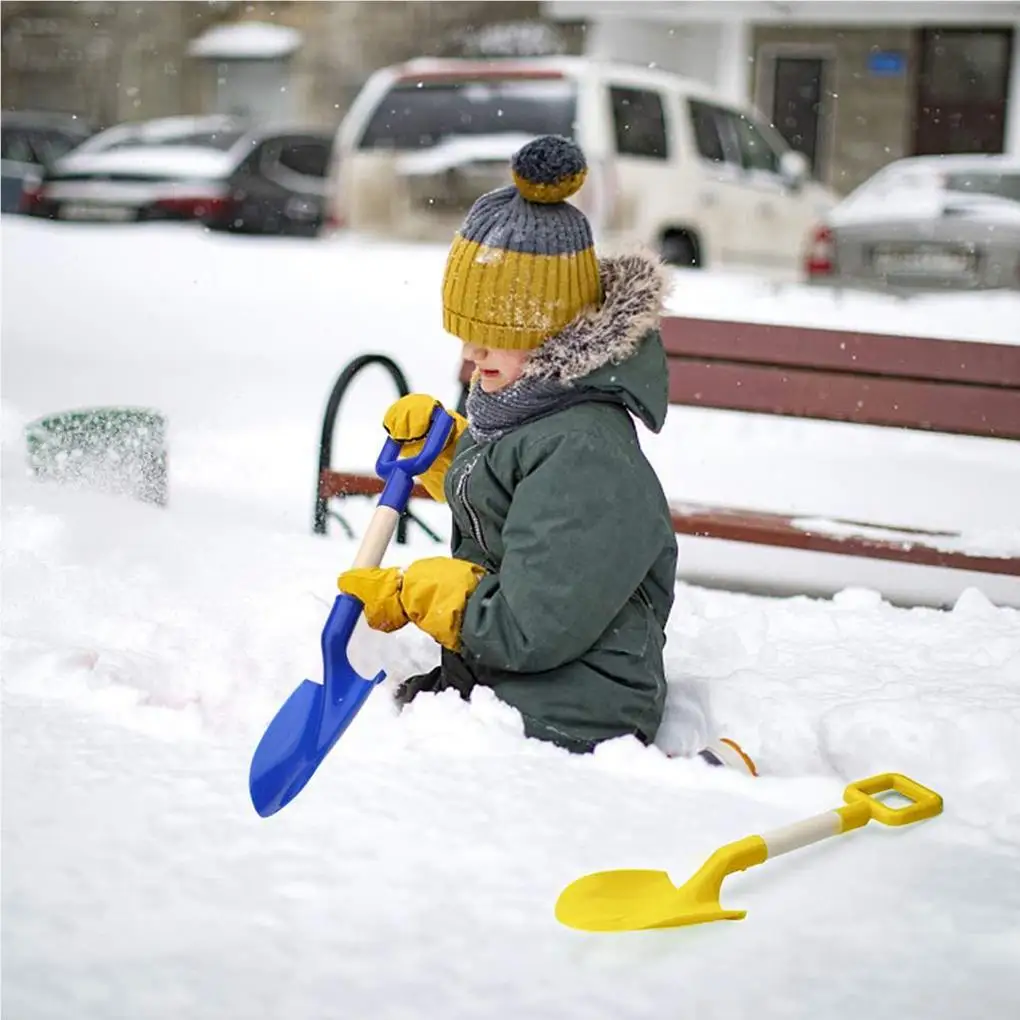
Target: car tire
[[678, 248]]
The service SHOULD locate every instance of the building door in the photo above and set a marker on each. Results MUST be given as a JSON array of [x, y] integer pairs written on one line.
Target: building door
[[961, 90], [797, 104]]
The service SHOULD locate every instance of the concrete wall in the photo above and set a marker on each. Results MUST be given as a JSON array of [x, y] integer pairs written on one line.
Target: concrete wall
[[715, 54], [105, 61], [116, 61], [867, 118], [345, 42]]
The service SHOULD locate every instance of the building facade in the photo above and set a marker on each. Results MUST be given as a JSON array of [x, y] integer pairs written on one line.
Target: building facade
[[853, 85], [110, 62]]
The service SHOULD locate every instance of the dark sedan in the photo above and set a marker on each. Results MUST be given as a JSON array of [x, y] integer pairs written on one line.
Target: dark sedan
[[31, 141], [217, 170], [279, 187]]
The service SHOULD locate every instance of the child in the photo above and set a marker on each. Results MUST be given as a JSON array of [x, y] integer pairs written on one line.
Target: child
[[563, 554]]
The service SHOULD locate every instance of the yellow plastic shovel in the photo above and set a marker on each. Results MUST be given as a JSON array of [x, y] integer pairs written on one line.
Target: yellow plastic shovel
[[627, 900]]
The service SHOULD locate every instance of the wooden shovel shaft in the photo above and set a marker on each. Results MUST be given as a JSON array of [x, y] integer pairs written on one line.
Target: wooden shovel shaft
[[815, 829], [377, 537]]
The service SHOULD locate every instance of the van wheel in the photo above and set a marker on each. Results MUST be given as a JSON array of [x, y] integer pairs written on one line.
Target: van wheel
[[680, 248]]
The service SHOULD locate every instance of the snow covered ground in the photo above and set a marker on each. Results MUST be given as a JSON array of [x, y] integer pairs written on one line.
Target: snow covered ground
[[145, 649]]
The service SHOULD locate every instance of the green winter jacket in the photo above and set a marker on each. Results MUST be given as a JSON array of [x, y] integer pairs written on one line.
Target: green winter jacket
[[570, 522]]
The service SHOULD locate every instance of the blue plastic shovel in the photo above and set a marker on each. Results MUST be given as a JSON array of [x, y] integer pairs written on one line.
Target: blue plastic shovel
[[315, 716]]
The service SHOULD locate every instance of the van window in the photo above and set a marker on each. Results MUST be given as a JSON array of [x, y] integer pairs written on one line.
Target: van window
[[707, 131], [419, 115], [755, 151], [723, 135], [639, 123]]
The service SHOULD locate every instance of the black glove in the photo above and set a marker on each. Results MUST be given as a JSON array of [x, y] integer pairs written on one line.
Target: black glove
[[410, 688], [454, 672]]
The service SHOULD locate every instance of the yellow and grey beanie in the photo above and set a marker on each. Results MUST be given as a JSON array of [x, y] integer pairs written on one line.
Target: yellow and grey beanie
[[523, 263]]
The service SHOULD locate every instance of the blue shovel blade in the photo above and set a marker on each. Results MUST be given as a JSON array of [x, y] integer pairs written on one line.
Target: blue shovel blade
[[311, 720]]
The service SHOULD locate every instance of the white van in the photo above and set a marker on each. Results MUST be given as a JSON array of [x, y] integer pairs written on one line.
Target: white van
[[671, 164]]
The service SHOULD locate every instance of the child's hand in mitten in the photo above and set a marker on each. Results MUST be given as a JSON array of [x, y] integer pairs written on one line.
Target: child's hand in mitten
[[407, 420], [378, 589], [433, 595]]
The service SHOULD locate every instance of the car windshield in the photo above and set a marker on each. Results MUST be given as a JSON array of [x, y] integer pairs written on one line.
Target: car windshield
[[999, 185], [421, 114]]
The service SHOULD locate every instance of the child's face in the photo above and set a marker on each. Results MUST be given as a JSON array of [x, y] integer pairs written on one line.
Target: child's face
[[498, 368]]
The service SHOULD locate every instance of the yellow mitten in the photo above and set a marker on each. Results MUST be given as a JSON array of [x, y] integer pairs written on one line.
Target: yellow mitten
[[378, 589], [434, 593], [408, 420]]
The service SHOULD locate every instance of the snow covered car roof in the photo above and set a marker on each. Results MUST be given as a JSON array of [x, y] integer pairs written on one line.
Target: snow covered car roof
[[218, 132], [200, 147], [149, 161], [916, 188]]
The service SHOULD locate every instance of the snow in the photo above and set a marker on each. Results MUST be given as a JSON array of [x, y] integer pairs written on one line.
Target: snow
[[145, 649], [1001, 543], [988, 317], [246, 40]]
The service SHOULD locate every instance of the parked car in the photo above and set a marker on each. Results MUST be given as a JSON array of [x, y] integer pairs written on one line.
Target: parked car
[[925, 223], [29, 140], [279, 187], [671, 163], [218, 170]]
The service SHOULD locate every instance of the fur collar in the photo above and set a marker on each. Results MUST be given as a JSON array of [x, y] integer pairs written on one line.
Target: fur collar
[[634, 287]]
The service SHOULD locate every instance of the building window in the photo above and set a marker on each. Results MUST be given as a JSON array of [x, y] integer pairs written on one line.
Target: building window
[[639, 122], [961, 91], [965, 65]]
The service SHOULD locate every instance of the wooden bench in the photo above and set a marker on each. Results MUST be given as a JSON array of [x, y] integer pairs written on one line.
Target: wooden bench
[[945, 386]]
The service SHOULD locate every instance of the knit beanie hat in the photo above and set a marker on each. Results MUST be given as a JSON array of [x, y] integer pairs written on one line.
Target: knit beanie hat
[[523, 263]]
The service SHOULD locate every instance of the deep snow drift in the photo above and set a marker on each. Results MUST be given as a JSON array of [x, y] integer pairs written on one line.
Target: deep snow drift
[[145, 649]]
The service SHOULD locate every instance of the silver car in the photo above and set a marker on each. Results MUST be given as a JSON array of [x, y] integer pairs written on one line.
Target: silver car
[[923, 224]]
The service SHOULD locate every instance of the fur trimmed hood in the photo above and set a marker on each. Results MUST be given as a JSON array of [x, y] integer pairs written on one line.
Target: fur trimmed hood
[[634, 287]]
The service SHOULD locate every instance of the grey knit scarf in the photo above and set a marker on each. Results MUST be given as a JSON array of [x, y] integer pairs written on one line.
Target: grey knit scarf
[[492, 415]]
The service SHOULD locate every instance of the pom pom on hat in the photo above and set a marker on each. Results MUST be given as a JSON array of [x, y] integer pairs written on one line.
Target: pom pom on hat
[[548, 169]]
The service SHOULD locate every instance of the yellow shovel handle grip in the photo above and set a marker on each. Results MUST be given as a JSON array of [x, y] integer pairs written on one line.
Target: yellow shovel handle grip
[[862, 805], [926, 803]]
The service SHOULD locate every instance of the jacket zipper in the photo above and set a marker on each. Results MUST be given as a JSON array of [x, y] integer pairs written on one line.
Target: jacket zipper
[[474, 521]]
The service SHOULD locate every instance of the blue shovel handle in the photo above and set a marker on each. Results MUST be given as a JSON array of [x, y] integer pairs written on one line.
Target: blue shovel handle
[[315, 716]]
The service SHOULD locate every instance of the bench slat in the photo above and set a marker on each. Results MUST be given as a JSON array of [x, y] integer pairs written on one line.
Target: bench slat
[[343, 483], [762, 528], [759, 527], [955, 361], [833, 396]]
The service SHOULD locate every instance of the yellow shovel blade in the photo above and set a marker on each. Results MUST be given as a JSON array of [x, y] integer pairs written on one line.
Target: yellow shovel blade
[[633, 901]]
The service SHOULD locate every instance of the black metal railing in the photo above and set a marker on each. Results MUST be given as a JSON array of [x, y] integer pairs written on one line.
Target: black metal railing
[[322, 511]]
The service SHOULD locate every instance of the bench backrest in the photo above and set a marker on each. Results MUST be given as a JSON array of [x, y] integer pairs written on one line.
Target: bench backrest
[[909, 382]]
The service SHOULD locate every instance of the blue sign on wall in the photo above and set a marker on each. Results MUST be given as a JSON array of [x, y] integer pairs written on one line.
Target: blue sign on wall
[[887, 63]]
